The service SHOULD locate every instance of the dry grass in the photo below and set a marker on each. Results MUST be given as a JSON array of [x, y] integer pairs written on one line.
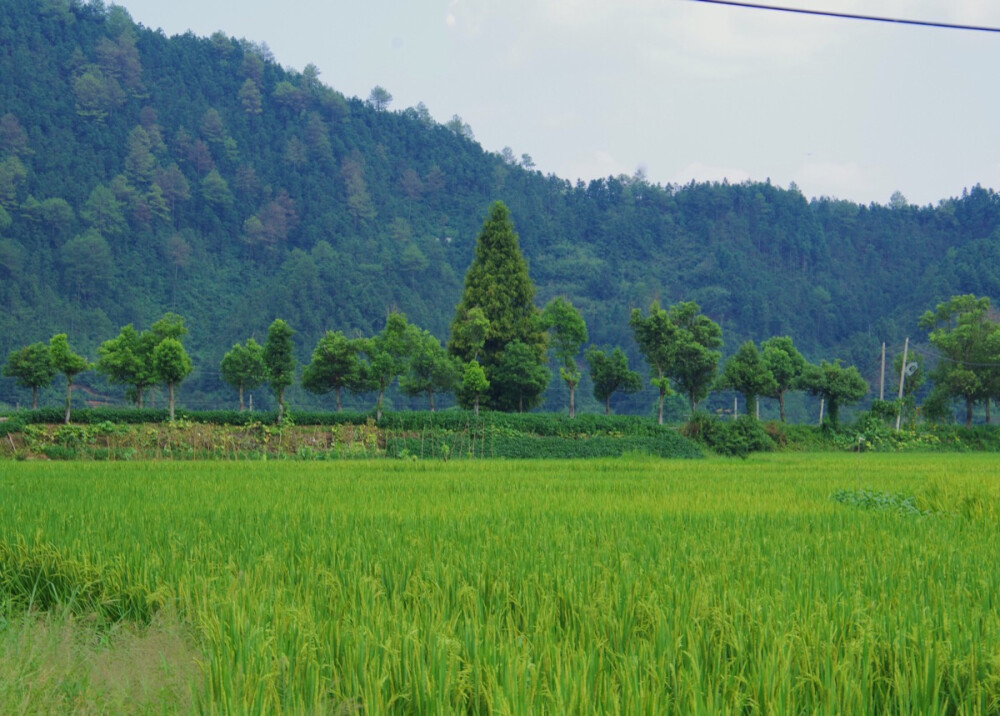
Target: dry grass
[[59, 664]]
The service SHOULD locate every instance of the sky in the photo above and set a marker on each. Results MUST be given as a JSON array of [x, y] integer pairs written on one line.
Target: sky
[[677, 89]]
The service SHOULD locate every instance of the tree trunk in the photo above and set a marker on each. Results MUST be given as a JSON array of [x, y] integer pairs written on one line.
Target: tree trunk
[[607, 405], [987, 411], [170, 392], [968, 413], [475, 406], [659, 409], [430, 394], [694, 403], [241, 397], [378, 406], [781, 404], [281, 405], [34, 397], [338, 398], [572, 402], [69, 395]]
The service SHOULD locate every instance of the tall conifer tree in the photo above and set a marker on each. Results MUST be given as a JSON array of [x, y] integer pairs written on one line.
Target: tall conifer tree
[[497, 282]]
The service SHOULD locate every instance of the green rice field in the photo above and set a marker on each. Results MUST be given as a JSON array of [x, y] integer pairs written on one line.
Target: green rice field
[[631, 585]]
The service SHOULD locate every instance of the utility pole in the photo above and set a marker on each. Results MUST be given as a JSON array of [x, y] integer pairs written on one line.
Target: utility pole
[[902, 377], [881, 380]]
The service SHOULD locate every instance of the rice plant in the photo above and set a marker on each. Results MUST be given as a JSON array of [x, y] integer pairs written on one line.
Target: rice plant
[[630, 585]]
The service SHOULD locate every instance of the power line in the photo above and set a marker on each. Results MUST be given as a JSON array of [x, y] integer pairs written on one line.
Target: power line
[[853, 16]]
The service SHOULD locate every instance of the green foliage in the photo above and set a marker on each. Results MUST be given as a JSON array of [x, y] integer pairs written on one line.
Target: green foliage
[[128, 360], [567, 333], [498, 284], [680, 345], [655, 335], [610, 374], [243, 367], [731, 438], [171, 365], [122, 147], [786, 366], [335, 365], [430, 369], [747, 373], [963, 330], [836, 385], [695, 356], [386, 355], [870, 499], [279, 360], [31, 367], [70, 364], [518, 379], [474, 385]]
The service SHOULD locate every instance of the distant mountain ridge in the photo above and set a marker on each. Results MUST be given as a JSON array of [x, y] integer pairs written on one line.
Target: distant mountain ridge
[[140, 174]]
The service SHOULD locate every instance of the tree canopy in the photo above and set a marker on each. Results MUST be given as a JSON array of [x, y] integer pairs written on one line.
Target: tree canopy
[[498, 284]]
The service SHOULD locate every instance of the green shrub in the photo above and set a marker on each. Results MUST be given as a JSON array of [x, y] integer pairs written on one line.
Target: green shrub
[[732, 438]]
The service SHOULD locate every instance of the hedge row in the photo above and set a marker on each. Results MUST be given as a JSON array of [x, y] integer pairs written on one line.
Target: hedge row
[[666, 445], [543, 424]]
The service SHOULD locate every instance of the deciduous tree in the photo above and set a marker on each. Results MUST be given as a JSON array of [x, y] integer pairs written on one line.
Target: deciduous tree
[[521, 378], [656, 336], [387, 355], [430, 369], [747, 373], [474, 384], [696, 357], [171, 365], [836, 385], [610, 374], [127, 360], [964, 333], [243, 367], [68, 363], [786, 364], [31, 367], [567, 333], [279, 360], [335, 365]]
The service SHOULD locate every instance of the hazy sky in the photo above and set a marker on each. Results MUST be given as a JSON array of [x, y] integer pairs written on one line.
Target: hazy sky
[[685, 90]]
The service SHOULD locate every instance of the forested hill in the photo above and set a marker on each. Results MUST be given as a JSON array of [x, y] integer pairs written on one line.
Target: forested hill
[[140, 174]]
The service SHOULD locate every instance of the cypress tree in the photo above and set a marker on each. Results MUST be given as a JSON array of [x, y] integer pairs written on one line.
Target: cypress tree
[[498, 283]]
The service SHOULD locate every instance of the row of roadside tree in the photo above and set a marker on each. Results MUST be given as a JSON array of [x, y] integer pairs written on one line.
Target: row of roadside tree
[[498, 352]]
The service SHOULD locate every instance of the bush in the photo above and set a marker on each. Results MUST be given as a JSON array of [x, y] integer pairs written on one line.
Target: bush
[[732, 438]]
